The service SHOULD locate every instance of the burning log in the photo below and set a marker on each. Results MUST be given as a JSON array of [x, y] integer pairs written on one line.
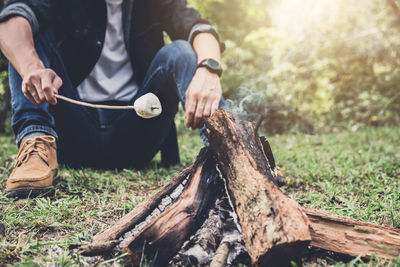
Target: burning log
[[163, 237], [274, 228], [226, 209], [205, 245], [351, 237], [106, 240]]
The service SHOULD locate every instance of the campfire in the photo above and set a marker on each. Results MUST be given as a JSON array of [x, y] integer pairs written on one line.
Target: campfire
[[227, 209]]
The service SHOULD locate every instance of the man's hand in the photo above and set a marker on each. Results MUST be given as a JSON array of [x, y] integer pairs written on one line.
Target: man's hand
[[204, 92], [202, 97], [40, 85], [16, 42]]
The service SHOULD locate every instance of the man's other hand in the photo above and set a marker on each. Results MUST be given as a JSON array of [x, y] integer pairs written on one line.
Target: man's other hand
[[41, 85], [202, 97]]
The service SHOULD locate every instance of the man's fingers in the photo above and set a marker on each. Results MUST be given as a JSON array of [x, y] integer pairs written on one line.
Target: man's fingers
[[30, 93], [190, 109], [32, 87], [216, 98], [36, 81], [47, 86], [41, 85], [198, 116], [214, 107], [57, 83], [190, 112], [27, 94], [202, 98], [207, 109]]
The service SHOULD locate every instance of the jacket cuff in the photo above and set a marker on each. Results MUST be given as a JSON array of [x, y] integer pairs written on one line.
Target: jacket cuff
[[23, 10], [203, 27]]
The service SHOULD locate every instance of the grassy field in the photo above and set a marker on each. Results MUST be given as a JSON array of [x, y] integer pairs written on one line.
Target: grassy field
[[352, 173]]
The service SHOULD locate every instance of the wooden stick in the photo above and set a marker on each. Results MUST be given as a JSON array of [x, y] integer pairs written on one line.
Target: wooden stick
[[220, 256], [81, 103]]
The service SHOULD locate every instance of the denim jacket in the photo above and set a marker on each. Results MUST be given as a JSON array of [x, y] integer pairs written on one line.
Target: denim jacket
[[80, 26]]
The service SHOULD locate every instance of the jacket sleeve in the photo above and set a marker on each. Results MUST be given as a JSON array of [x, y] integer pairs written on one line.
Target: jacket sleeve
[[37, 12], [182, 22]]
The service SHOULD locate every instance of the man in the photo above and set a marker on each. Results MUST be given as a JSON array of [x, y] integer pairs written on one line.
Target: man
[[109, 52]]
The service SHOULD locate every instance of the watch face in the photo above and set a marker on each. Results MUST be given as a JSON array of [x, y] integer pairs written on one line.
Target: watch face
[[214, 64]]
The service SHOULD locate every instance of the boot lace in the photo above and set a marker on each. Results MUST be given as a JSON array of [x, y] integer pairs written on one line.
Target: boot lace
[[37, 146]]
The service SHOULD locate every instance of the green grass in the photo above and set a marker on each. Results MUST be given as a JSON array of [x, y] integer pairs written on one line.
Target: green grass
[[356, 174]]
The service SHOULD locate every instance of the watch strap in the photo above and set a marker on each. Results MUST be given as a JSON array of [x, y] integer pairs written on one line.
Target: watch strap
[[208, 63]]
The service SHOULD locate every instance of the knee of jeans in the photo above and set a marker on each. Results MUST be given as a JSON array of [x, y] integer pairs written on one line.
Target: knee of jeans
[[181, 51]]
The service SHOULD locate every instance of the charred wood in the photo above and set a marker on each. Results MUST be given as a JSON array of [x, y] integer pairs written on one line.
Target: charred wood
[[274, 228], [220, 227], [161, 239], [106, 240], [200, 247]]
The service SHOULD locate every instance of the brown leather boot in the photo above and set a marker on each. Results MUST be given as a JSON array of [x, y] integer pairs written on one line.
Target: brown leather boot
[[35, 169]]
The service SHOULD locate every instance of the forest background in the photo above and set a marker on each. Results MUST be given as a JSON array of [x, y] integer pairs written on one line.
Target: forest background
[[309, 66]]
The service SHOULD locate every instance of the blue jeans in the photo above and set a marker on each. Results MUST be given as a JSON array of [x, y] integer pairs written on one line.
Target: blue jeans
[[101, 138]]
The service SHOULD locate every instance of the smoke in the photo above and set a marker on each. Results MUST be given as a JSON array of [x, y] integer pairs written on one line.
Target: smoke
[[247, 104], [278, 114]]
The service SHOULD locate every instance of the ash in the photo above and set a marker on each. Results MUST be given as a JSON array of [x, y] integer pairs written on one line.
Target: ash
[[219, 227]]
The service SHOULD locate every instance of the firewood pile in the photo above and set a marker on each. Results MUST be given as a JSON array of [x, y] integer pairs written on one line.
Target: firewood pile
[[227, 209]]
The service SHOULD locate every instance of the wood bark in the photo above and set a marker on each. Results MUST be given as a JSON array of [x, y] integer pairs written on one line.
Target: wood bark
[[162, 238], [351, 237], [275, 229], [104, 241]]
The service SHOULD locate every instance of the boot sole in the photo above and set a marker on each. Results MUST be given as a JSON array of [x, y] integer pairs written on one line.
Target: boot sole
[[32, 192]]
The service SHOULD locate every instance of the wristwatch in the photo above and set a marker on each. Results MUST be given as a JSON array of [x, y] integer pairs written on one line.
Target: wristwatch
[[212, 65]]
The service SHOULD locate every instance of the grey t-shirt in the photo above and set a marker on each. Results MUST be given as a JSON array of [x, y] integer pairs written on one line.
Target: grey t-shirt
[[112, 77]]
